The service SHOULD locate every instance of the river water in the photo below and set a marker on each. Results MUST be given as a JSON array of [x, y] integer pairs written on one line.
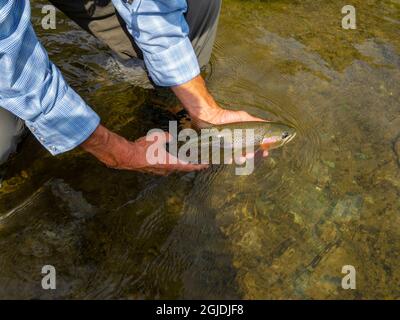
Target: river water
[[328, 199]]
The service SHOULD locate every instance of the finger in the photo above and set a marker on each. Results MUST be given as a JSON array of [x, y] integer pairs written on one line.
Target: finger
[[265, 153], [182, 165], [159, 173], [240, 160], [189, 167], [155, 171], [250, 155], [172, 160]]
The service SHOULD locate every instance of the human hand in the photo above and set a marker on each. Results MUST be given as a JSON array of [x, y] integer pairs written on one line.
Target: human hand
[[118, 153], [204, 110]]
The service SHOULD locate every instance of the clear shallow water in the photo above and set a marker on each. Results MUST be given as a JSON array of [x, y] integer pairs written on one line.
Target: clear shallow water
[[329, 198]]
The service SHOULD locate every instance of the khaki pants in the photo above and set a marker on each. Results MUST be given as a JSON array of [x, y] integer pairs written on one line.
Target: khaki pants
[[100, 19]]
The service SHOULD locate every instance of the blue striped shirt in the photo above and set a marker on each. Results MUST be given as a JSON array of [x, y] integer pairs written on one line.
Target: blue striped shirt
[[161, 32], [32, 87]]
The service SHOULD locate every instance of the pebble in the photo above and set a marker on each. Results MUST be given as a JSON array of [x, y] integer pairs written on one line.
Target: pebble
[[348, 208]]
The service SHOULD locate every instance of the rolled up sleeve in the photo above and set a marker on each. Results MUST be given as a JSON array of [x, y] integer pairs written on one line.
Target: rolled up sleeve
[[160, 29], [32, 87]]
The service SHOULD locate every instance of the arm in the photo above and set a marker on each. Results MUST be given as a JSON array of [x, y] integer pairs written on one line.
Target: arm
[[161, 31], [202, 107], [33, 88]]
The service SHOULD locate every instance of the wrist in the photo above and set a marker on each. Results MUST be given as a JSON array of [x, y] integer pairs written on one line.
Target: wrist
[[196, 99], [206, 112], [104, 144]]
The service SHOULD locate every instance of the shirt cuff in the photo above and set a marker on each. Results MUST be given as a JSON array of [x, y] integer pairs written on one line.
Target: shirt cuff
[[69, 123], [173, 66]]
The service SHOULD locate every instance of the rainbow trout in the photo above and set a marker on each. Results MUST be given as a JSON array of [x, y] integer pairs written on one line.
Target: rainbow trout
[[255, 134]]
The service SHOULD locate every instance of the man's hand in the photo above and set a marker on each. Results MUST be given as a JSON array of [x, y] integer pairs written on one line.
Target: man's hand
[[203, 109], [118, 153]]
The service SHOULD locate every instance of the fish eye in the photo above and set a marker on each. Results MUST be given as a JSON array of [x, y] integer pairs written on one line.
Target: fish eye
[[285, 134]]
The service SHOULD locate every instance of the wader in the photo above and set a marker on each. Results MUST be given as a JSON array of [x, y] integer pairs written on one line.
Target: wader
[[100, 18]]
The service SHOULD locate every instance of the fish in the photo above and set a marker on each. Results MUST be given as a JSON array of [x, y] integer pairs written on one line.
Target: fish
[[251, 135], [271, 135]]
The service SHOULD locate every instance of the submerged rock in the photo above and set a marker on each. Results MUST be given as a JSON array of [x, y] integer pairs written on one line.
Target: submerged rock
[[348, 209], [74, 200], [387, 175], [321, 174]]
